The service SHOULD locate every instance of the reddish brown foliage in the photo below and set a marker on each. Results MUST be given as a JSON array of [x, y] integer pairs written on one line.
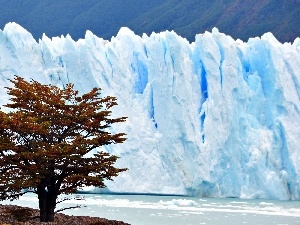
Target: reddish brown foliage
[[44, 140]]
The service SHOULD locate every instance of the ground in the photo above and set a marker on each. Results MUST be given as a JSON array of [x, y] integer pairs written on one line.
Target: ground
[[16, 215]]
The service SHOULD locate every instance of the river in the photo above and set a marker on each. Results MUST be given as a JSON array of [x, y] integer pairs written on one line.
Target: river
[[178, 210]]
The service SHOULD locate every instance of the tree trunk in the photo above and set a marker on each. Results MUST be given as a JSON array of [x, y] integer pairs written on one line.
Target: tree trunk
[[47, 203]]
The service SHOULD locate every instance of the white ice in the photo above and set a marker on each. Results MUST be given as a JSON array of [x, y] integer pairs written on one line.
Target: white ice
[[217, 117]]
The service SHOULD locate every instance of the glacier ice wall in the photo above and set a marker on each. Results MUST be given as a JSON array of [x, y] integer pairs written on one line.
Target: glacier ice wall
[[217, 117]]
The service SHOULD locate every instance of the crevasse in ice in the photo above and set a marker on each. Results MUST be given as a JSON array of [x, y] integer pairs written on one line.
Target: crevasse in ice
[[217, 117]]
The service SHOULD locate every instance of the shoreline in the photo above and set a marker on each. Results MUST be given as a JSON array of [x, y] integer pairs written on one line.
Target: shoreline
[[13, 215]]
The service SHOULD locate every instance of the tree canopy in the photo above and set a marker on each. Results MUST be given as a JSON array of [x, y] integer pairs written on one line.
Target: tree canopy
[[45, 138]]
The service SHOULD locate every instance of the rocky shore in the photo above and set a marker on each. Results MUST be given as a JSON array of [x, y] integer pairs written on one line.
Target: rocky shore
[[17, 215]]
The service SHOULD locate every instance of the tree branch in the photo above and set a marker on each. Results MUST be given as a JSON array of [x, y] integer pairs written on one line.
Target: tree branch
[[72, 207]]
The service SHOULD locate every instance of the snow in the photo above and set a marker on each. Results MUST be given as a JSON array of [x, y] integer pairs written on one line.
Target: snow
[[217, 117]]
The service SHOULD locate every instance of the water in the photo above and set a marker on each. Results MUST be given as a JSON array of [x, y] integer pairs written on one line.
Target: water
[[167, 210]]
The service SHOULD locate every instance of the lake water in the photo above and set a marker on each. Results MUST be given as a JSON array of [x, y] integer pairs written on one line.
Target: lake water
[[172, 210]]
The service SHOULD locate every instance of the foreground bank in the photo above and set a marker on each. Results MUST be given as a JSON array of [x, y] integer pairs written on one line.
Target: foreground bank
[[12, 214]]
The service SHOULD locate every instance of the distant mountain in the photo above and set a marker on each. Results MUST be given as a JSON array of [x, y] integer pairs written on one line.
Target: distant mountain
[[238, 18]]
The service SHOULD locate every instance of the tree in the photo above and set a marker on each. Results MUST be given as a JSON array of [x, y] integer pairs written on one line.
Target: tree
[[45, 138]]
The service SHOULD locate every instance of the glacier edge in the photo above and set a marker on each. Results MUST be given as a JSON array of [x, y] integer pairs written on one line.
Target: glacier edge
[[217, 117]]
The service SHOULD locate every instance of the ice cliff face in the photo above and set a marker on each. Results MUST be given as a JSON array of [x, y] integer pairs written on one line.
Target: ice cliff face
[[216, 117]]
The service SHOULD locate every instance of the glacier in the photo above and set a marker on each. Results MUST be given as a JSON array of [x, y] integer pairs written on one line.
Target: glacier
[[215, 118]]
